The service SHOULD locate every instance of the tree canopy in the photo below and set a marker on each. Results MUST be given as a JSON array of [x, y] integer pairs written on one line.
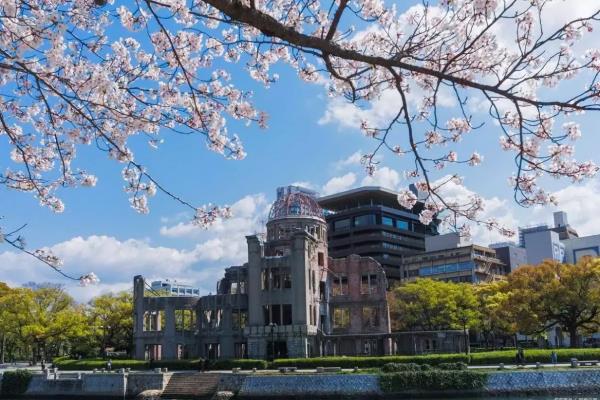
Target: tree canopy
[[555, 294], [532, 300], [43, 321]]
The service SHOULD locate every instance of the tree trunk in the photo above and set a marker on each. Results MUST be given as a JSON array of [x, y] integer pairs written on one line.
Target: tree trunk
[[466, 339], [573, 336], [3, 349]]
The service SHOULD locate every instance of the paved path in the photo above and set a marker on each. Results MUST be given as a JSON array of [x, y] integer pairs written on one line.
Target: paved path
[[37, 368]]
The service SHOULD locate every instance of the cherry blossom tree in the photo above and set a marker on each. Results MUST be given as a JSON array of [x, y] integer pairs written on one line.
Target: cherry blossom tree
[[97, 72]]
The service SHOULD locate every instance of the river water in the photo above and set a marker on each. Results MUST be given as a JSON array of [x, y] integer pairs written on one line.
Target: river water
[[590, 396]]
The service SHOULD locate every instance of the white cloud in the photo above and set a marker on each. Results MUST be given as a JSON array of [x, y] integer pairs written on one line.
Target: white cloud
[[350, 161], [384, 177], [117, 261], [581, 203], [494, 207], [114, 261], [225, 240], [305, 184], [339, 183], [380, 111]]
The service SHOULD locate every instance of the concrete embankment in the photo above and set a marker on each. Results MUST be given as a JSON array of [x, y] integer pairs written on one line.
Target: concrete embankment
[[255, 386], [99, 385]]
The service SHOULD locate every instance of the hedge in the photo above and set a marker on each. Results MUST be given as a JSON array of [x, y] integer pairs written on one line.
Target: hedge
[[237, 363], [15, 382], [367, 362], [87, 364], [177, 365], [533, 355], [457, 366], [432, 380]]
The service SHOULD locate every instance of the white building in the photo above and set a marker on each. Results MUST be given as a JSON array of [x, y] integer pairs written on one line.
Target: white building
[[173, 288]]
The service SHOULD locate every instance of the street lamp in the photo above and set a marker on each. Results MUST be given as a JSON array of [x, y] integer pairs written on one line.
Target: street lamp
[[272, 325]]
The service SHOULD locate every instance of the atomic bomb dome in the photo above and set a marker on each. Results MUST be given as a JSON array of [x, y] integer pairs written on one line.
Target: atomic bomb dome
[[295, 202]]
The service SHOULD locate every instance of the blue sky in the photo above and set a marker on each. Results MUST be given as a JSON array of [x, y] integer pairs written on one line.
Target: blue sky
[[309, 140]]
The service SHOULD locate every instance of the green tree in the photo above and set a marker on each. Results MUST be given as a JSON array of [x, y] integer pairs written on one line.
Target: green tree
[[45, 318], [4, 322], [428, 304], [464, 308], [111, 317], [422, 304], [495, 319], [554, 294]]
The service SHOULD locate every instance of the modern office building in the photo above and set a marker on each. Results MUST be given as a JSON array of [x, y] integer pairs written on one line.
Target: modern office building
[[289, 300], [541, 243], [370, 222], [450, 258]]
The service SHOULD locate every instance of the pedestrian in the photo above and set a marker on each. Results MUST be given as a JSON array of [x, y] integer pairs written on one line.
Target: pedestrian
[[109, 364], [43, 365], [521, 356], [553, 357]]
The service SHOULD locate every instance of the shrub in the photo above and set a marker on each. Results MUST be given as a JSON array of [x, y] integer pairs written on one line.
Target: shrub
[[175, 365], [432, 380], [367, 362], [400, 367], [457, 366], [533, 355], [237, 363], [15, 382]]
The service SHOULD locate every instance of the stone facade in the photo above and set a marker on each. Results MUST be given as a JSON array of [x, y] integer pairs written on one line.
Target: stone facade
[[289, 300]]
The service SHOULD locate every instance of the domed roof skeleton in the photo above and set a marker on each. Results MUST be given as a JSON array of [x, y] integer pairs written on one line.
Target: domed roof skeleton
[[295, 202]]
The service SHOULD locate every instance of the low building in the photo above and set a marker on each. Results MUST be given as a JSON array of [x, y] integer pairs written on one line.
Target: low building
[[450, 258], [579, 247], [174, 288], [511, 254]]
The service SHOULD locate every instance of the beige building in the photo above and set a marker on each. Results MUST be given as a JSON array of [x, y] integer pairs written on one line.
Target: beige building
[[450, 258]]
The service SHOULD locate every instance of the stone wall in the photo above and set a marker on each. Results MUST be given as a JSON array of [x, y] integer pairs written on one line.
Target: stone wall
[[309, 385], [139, 382], [544, 381], [103, 385]]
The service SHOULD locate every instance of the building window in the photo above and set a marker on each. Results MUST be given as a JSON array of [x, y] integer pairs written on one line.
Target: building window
[[240, 350], [362, 220], [368, 284], [212, 318], [370, 317], [387, 221], [278, 314], [154, 321], [275, 278], [340, 285], [341, 224], [264, 279], [287, 279], [287, 314], [185, 320], [321, 259], [341, 318], [446, 268], [402, 225], [239, 319]]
